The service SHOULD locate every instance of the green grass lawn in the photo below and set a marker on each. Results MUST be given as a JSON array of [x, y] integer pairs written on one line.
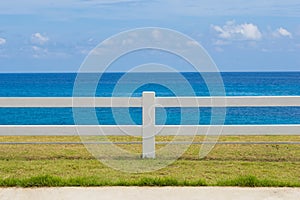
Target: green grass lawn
[[227, 164]]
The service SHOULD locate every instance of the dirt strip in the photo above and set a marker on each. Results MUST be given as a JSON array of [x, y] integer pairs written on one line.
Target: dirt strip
[[145, 193]]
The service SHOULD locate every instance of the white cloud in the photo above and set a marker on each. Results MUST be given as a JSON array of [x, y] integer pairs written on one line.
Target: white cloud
[[219, 49], [35, 48], [38, 38], [221, 43], [233, 31], [281, 32], [39, 52], [2, 41]]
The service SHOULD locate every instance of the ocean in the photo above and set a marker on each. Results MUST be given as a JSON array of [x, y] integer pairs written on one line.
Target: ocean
[[114, 84]]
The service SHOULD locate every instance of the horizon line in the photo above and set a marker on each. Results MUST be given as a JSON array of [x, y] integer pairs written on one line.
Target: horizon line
[[77, 72]]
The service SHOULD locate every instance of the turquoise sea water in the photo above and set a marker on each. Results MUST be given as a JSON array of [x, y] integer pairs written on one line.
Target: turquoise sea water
[[235, 84]]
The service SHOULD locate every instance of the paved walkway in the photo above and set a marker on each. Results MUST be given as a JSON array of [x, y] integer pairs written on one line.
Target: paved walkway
[[146, 193]]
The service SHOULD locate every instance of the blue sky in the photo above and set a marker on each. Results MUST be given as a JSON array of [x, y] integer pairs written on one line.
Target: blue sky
[[56, 36]]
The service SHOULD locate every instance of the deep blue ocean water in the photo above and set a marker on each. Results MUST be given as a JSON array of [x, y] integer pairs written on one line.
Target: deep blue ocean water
[[236, 84]]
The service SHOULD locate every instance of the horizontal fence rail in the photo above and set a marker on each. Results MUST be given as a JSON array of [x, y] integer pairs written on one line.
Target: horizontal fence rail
[[231, 101], [148, 102], [65, 102], [136, 130]]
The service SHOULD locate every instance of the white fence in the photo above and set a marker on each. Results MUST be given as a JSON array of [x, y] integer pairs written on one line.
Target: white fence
[[148, 127]]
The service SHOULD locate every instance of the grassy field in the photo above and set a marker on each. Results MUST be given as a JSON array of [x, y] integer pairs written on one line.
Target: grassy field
[[229, 164]]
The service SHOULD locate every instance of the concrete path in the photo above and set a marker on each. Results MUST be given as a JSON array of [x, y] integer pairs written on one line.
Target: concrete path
[[146, 193]]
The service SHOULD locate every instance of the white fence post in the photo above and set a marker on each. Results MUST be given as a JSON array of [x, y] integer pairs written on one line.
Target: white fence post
[[148, 132]]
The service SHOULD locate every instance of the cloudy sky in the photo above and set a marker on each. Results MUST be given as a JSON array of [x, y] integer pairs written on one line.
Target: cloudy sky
[[56, 36]]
